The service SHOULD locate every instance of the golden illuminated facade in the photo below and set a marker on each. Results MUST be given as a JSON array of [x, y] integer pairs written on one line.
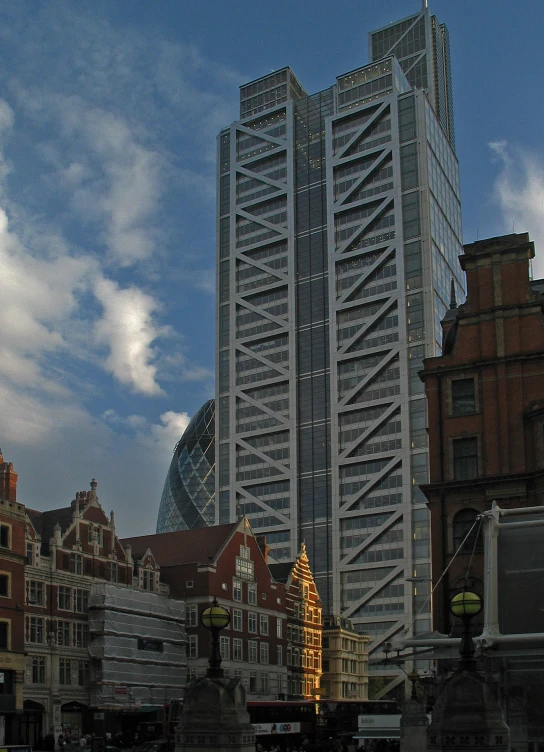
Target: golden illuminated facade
[[304, 626], [345, 661]]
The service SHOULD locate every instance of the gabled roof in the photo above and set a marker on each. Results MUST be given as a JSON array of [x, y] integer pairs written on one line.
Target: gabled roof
[[44, 523], [146, 555], [201, 546], [95, 514]]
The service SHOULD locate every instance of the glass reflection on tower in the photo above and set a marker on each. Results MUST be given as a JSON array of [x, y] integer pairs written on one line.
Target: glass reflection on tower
[[188, 497]]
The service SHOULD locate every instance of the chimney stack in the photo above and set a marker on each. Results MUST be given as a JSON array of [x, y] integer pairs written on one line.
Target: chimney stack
[[263, 545], [8, 480]]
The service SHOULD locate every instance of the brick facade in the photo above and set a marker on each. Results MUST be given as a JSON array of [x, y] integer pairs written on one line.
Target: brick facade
[[12, 562], [304, 627], [225, 561], [67, 549], [485, 408]]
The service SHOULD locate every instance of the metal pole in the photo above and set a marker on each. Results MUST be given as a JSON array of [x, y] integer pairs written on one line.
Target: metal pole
[[521, 510], [466, 651], [215, 671], [491, 604]]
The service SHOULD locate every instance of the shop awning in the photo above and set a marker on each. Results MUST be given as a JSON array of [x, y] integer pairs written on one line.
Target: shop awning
[[378, 734]]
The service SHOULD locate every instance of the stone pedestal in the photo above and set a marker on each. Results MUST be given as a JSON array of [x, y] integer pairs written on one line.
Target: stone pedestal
[[214, 718], [467, 716], [413, 727], [517, 720]]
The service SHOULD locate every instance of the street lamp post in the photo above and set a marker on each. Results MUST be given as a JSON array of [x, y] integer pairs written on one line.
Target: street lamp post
[[467, 713], [466, 605], [215, 618], [214, 716], [413, 676]]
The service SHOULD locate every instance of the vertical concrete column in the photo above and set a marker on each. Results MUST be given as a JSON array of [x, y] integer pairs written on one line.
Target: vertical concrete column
[[413, 727]]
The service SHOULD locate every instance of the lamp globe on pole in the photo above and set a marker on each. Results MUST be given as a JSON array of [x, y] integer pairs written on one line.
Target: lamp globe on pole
[[465, 606], [215, 618]]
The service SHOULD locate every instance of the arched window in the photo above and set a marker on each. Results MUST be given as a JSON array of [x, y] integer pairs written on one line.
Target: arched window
[[462, 523]]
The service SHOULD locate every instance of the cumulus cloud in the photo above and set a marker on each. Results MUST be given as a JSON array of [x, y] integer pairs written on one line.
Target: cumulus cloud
[[112, 179], [42, 311], [7, 116], [112, 128], [124, 190], [519, 192], [159, 438], [127, 328], [29, 420], [39, 296]]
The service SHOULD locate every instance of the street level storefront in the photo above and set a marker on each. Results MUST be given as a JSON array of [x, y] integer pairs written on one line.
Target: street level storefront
[[27, 728], [379, 727], [76, 719], [143, 723]]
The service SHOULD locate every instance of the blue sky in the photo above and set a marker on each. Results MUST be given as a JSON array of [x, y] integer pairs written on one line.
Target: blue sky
[[108, 115]]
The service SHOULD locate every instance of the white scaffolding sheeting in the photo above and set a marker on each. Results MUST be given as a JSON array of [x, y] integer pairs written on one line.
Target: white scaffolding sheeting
[[137, 646]]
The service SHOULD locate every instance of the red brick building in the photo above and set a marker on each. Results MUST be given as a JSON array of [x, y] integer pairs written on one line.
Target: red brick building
[[67, 549], [12, 563], [304, 626], [226, 561], [485, 408]]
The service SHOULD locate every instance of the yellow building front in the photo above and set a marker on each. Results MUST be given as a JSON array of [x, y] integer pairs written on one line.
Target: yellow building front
[[345, 661]]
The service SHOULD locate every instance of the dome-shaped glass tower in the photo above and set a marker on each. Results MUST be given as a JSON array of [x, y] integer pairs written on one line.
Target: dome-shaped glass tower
[[188, 497]]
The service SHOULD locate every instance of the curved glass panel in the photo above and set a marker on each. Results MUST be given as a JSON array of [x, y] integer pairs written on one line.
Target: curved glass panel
[[188, 497]]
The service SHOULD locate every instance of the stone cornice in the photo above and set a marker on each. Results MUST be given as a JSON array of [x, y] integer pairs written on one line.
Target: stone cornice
[[445, 368], [481, 482]]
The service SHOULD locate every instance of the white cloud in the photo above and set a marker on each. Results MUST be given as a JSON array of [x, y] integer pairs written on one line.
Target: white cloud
[[519, 192], [128, 330], [196, 373], [112, 179], [39, 297], [159, 438], [112, 136], [165, 435], [7, 117], [132, 189], [42, 313], [30, 420]]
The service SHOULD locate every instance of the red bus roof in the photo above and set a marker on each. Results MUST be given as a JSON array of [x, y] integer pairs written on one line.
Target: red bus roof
[[275, 703]]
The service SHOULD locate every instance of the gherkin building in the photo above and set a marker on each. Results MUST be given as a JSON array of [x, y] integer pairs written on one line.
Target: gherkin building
[[188, 497]]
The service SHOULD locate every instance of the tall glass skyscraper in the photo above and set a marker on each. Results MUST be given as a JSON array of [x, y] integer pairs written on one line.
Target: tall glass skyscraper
[[339, 227], [188, 496]]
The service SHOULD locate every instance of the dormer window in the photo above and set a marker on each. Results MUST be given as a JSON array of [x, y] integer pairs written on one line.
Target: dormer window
[[148, 580], [95, 534]]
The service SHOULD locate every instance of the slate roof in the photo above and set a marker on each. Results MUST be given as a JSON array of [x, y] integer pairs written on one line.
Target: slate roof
[[183, 546], [281, 571], [44, 523]]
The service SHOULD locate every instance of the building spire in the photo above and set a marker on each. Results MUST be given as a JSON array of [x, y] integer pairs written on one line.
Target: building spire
[[453, 299]]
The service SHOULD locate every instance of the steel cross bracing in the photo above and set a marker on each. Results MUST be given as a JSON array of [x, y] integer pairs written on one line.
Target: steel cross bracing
[[373, 305], [272, 415]]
